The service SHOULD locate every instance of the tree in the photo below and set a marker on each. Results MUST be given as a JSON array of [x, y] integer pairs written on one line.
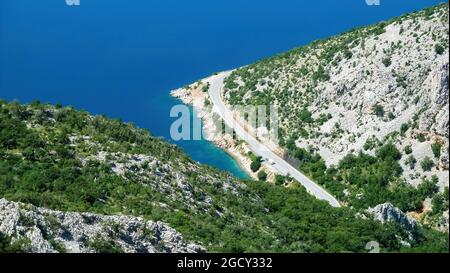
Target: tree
[[427, 188], [389, 151], [378, 110], [12, 131], [5, 243], [205, 87], [387, 61], [439, 49], [306, 116], [19, 246], [421, 138], [404, 128], [436, 148], [391, 116], [411, 162], [101, 245], [348, 54], [427, 163], [408, 150], [438, 204], [279, 180], [256, 164], [262, 176]]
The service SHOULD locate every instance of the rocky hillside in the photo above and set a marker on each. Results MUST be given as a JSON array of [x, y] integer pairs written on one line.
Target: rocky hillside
[[47, 231], [70, 181], [352, 94]]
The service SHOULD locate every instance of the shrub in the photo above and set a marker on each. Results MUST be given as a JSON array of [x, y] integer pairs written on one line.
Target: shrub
[[391, 116], [348, 54], [306, 116], [427, 164], [404, 128], [436, 148], [19, 246], [389, 152], [320, 75], [378, 110], [439, 49], [256, 164], [279, 180], [428, 188], [411, 162], [205, 87], [262, 176], [101, 245], [421, 138], [440, 203], [371, 143], [408, 150], [387, 61]]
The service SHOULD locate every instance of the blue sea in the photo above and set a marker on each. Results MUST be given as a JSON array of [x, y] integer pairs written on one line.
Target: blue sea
[[122, 57]]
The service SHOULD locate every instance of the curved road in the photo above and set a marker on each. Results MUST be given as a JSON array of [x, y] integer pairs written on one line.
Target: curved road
[[215, 91]]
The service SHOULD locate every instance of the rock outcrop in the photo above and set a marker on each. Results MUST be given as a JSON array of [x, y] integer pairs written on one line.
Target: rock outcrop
[[389, 213], [371, 83], [47, 231]]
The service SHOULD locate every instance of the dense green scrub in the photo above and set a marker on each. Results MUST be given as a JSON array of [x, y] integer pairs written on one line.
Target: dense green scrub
[[41, 165], [368, 180], [7, 246]]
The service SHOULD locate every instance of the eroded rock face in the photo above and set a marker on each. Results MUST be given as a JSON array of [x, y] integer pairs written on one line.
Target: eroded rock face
[[388, 213], [397, 71], [47, 231]]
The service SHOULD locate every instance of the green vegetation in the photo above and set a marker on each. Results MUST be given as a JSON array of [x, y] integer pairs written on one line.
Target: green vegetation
[[102, 245], [369, 180], [7, 246], [421, 138], [306, 116], [262, 176], [293, 80], [279, 180], [440, 203], [378, 110], [411, 162], [205, 87], [258, 217], [371, 143], [48, 158], [255, 165], [436, 148], [439, 49], [300, 83], [408, 149], [387, 61], [404, 128], [426, 164]]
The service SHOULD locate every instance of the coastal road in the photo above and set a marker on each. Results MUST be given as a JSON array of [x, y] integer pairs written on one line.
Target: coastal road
[[215, 91]]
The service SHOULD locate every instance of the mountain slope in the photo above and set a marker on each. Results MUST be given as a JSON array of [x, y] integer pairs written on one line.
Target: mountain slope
[[47, 231], [364, 113], [65, 160]]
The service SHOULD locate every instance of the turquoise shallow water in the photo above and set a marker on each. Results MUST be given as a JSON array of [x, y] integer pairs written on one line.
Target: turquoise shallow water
[[122, 57]]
